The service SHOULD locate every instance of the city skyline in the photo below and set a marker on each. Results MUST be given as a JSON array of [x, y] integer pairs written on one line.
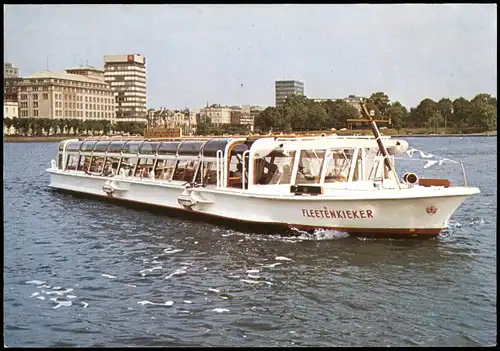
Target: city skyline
[[410, 52]]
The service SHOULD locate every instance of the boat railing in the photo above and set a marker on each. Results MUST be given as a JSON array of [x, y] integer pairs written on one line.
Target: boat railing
[[219, 161], [243, 172]]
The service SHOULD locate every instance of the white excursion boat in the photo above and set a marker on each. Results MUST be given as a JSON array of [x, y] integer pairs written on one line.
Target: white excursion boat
[[348, 184]]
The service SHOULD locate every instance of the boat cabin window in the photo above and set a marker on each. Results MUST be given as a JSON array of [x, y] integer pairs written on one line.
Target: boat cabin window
[[276, 168], [185, 170], [235, 179], [144, 168], [127, 166], [209, 173], [72, 162], [115, 147], [235, 171], [374, 164], [84, 163], [88, 146], [310, 163], [74, 146], [211, 147], [97, 164], [190, 148], [165, 169], [149, 148], [131, 147], [101, 146], [168, 148], [111, 166], [338, 165]]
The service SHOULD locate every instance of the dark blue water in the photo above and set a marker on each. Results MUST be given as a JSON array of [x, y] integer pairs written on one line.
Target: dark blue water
[[81, 272]]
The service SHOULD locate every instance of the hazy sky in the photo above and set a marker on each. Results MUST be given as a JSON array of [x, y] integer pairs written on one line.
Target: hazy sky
[[232, 54]]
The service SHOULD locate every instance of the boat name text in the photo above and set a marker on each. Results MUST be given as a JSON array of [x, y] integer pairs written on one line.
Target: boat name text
[[337, 214]]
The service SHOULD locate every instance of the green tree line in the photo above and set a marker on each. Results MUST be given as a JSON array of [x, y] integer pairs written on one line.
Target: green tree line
[[298, 113], [66, 126], [205, 127]]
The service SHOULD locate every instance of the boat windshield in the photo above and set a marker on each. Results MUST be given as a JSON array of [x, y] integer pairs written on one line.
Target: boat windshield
[[309, 170], [338, 165]]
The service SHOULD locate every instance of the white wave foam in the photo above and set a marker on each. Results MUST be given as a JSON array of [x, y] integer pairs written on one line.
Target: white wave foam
[[249, 281], [35, 294], [170, 250], [59, 293], [40, 297], [108, 276], [187, 301], [61, 303], [214, 290], [220, 310], [283, 258], [272, 265], [253, 271], [147, 302], [36, 282], [84, 304], [321, 234], [251, 276], [149, 270], [56, 288], [177, 272], [71, 296]]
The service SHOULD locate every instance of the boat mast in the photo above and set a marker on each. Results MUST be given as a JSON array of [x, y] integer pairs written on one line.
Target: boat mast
[[381, 146]]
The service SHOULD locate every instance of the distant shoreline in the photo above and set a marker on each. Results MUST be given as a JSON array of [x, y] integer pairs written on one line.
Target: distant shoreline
[[40, 139]]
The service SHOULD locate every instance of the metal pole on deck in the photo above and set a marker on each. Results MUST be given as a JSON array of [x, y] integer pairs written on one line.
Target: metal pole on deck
[[380, 144]]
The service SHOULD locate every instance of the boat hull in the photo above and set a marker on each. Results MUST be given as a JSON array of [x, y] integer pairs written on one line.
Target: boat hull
[[410, 217]]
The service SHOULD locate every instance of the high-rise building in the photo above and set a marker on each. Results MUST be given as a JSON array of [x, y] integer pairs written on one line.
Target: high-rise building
[[49, 94], [286, 89], [10, 87], [10, 81], [127, 76], [9, 71]]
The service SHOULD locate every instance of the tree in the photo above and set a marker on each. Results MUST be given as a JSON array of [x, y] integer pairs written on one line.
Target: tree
[[267, 119], [203, 127], [339, 112], [294, 113], [483, 114], [435, 121], [445, 106], [17, 123], [36, 126], [87, 125], [461, 111], [316, 117], [398, 115], [8, 123], [54, 124], [381, 101], [106, 126], [422, 113]]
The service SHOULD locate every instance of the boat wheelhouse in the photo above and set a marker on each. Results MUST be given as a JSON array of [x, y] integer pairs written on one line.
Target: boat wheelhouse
[[327, 182]]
